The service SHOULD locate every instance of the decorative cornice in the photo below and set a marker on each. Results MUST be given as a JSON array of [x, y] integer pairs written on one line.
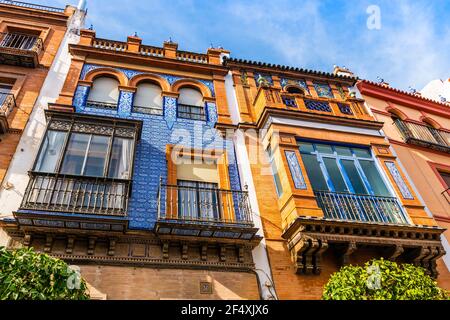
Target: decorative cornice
[[284, 68], [404, 98]]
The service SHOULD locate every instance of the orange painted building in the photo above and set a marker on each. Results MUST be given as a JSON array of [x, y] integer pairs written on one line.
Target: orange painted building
[[329, 189], [30, 37], [418, 130]]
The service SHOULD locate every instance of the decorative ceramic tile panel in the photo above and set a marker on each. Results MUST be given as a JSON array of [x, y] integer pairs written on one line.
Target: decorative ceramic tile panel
[[80, 98], [170, 111], [125, 103], [323, 90], [211, 114], [296, 171], [265, 77], [406, 193]]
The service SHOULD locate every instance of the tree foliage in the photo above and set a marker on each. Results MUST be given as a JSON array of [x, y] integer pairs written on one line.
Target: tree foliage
[[383, 280], [28, 275]]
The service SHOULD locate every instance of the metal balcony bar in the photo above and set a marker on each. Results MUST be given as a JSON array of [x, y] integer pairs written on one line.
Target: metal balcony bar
[[191, 112], [446, 195], [148, 110], [203, 205], [7, 104], [99, 196], [423, 134], [20, 41], [363, 208], [101, 105], [31, 6]]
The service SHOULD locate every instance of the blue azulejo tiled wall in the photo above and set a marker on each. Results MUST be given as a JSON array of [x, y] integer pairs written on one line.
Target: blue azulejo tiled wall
[[150, 157]]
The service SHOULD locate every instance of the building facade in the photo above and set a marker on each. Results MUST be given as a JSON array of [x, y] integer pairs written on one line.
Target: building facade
[[167, 174], [136, 179], [329, 189], [33, 62], [418, 130]]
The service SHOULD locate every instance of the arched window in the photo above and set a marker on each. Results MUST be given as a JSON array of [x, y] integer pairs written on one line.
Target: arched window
[[433, 135], [148, 99], [190, 104], [294, 90], [104, 93]]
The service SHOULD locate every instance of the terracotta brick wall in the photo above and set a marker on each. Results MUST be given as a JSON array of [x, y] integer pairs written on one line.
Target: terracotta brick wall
[[27, 81], [159, 284]]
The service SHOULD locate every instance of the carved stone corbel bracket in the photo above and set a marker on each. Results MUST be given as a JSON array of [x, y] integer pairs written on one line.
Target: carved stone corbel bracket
[[184, 250], [241, 254], [204, 252], [346, 252], [112, 246], [307, 255], [26, 240], [91, 245], [223, 253], [394, 252], [70, 244], [165, 250], [48, 243]]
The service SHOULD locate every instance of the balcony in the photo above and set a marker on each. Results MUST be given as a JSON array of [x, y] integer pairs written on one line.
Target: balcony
[[76, 195], [20, 49], [31, 6], [360, 208], [424, 136], [7, 104], [305, 105], [204, 213]]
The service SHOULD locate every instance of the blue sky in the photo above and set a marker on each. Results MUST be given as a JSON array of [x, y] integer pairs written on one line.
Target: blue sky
[[411, 48]]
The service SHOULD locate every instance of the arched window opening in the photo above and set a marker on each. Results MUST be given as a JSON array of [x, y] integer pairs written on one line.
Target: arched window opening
[[104, 93], [294, 90], [148, 99], [191, 105]]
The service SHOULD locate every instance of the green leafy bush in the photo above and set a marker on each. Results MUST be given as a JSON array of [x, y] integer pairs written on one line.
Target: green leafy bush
[[28, 275], [383, 280]]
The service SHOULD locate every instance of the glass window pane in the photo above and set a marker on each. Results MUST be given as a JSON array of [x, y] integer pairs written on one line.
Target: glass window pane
[[354, 177], [120, 163], [75, 154], [335, 175], [323, 148], [362, 153], [50, 151], [343, 151], [374, 178], [276, 178], [306, 147], [314, 171], [95, 162]]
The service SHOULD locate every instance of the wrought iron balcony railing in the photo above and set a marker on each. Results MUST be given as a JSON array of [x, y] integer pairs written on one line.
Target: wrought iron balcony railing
[[20, 49], [424, 135], [273, 98], [192, 204], [73, 194], [31, 6], [446, 195], [191, 112], [362, 208], [7, 104], [101, 105]]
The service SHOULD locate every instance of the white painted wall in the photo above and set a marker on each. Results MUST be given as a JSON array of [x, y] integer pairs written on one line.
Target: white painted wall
[[27, 149], [260, 257]]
